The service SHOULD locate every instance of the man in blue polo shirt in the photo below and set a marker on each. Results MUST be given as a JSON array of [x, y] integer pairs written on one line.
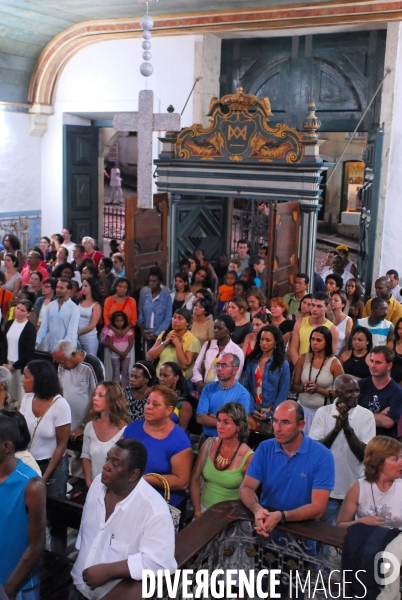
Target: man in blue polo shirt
[[297, 474], [216, 394]]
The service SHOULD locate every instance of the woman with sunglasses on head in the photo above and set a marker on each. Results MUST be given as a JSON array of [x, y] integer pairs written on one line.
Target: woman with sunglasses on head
[[267, 375]]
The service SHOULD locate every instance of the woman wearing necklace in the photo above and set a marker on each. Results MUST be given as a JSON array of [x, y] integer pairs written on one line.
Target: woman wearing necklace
[[267, 375], [375, 499], [168, 446], [315, 373], [396, 346], [182, 297], [222, 461], [237, 309], [342, 322], [356, 362], [172, 377]]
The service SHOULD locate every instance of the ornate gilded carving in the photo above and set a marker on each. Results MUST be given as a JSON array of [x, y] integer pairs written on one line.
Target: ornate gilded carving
[[239, 131]]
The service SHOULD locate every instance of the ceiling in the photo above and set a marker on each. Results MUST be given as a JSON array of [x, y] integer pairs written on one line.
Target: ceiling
[[27, 26]]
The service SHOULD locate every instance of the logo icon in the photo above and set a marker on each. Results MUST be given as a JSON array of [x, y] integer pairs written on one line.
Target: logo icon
[[237, 132], [386, 568]]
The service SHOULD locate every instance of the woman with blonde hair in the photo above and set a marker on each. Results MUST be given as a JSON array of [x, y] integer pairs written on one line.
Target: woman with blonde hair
[[375, 499], [110, 418]]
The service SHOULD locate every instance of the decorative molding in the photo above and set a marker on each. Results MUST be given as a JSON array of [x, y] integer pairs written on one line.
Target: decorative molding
[[64, 46], [38, 115]]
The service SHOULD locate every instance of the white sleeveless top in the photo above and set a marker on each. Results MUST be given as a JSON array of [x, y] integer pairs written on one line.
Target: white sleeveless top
[[342, 334], [95, 450], [324, 380], [374, 502]]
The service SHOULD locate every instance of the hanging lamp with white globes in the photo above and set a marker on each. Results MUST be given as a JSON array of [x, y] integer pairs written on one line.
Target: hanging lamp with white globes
[[146, 24]]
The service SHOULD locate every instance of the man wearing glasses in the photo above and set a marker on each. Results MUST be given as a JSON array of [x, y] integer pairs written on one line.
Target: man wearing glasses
[[297, 474], [215, 394]]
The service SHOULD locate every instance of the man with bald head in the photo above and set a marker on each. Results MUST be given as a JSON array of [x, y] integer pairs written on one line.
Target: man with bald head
[[345, 428], [383, 287], [296, 473]]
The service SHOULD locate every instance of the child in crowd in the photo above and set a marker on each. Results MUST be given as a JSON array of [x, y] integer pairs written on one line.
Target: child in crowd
[[120, 348], [234, 265], [226, 290]]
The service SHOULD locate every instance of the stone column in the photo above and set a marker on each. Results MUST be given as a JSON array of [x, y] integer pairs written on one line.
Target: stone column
[[308, 239], [207, 66]]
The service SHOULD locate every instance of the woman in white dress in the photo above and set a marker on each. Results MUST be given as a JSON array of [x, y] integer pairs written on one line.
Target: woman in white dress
[[342, 321], [90, 313], [106, 427]]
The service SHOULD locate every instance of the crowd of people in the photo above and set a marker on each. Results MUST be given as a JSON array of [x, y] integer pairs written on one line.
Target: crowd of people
[[220, 371]]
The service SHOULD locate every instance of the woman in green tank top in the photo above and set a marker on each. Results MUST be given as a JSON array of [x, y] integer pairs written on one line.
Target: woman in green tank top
[[223, 461]]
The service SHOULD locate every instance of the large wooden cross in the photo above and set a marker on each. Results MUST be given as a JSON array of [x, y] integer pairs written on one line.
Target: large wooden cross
[[145, 122]]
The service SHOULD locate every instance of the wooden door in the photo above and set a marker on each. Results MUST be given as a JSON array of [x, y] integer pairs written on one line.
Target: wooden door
[[80, 193], [338, 71], [146, 239], [283, 248]]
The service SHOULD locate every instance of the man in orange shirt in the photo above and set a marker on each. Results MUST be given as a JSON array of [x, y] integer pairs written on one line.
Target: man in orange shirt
[[34, 260]]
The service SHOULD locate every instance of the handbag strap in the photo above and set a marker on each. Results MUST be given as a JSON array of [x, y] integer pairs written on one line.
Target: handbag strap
[[40, 419], [206, 450], [204, 359], [166, 487]]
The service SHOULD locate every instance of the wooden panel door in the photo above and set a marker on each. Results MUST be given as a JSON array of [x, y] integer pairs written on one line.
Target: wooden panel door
[[337, 71], [80, 194], [283, 244], [146, 239]]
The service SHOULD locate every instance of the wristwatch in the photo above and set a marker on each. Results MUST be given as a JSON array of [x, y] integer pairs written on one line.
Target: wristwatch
[[163, 343], [283, 520], [349, 431]]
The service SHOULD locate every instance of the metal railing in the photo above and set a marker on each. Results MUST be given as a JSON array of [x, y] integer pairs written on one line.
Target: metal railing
[[222, 538], [114, 222]]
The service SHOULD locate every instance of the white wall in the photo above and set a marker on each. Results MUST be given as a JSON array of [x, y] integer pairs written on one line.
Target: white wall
[[103, 78], [388, 245], [20, 164]]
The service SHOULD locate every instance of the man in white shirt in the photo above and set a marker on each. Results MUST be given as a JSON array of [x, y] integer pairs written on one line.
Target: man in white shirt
[[126, 525], [67, 233], [345, 428], [395, 287], [61, 318]]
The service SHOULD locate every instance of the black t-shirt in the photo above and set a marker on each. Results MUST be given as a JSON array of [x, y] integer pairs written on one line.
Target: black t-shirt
[[376, 400], [286, 326], [240, 333]]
